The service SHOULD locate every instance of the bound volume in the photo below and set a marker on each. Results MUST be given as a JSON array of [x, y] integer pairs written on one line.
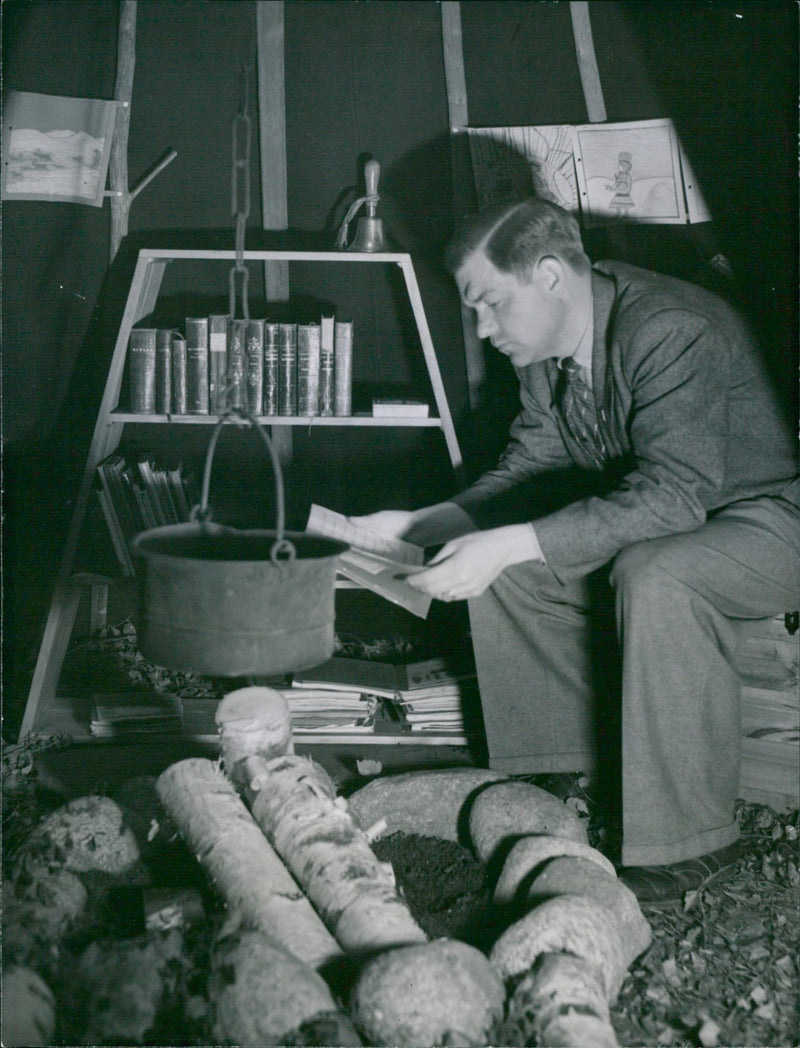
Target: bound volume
[[142, 368], [271, 368], [197, 365], [217, 361], [163, 371], [308, 361], [326, 367], [343, 367], [287, 369], [255, 366], [237, 382], [179, 396]]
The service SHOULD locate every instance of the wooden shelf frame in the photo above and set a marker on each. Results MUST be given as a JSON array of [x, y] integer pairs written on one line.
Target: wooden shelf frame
[[111, 422]]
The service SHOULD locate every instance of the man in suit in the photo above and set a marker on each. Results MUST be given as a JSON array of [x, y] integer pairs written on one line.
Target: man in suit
[[649, 463]]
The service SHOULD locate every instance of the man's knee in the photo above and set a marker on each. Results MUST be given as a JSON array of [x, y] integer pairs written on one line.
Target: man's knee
[[654, 566]]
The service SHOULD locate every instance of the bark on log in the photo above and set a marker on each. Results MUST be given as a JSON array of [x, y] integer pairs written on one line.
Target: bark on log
[[560, 1001], [261, 994], [567, 924], [249, 875], [294, 801]]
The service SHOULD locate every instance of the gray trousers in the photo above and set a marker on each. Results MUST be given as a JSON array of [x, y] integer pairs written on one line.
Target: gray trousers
[[555, 697]]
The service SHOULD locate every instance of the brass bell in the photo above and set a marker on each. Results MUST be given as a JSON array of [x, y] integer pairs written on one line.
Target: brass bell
[[369, 232]]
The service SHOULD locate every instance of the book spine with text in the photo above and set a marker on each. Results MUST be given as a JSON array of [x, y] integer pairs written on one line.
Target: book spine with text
[[197, 365], [178, 375], [287, 369], [163, 371], [237, 388], [271, 368], [142, 361], [308, 360], [343, 367], [217, 361], [326, 370], [255, 366]]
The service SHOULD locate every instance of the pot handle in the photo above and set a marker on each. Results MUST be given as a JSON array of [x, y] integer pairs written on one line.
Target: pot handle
[[282, 549]]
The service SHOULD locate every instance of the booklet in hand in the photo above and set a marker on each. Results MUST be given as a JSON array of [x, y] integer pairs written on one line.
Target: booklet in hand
[[377, 562]]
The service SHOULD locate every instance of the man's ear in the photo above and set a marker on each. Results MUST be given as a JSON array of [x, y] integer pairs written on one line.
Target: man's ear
[[549, 269]]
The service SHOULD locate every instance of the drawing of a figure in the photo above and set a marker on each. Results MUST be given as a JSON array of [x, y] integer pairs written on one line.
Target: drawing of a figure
[[622, 185]]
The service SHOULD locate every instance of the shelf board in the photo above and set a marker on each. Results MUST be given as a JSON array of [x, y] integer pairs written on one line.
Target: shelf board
[[128, 418], [168, 254]]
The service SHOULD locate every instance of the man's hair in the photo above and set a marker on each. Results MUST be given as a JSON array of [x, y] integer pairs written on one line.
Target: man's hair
[[515, 234]]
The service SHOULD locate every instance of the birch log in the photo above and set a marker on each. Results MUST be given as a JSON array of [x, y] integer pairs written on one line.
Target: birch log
[[294, 801], [249, 875]]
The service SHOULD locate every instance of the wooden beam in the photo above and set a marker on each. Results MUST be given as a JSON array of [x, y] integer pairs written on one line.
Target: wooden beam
[[461, 166], [587, 61], [123, 93], [272, 136]]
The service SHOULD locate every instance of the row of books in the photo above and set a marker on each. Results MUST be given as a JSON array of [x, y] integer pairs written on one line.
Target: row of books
[[140, 494], [258, 366]]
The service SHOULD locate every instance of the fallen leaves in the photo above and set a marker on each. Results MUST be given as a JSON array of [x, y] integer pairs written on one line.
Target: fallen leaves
[[723, 970]]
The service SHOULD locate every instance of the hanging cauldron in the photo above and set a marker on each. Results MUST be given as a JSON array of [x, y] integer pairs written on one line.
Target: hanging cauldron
[[226, 602]]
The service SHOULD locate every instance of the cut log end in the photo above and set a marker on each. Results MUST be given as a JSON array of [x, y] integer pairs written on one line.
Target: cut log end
[[253, 722]]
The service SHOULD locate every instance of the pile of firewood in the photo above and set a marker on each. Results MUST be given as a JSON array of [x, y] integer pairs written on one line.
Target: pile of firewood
[[318, 946]]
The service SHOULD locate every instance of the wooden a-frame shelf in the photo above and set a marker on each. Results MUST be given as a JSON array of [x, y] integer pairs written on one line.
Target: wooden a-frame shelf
[[111, 423]]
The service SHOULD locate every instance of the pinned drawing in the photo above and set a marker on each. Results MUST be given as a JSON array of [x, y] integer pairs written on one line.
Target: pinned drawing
[[56, 148], [629, 172], [513, 161]]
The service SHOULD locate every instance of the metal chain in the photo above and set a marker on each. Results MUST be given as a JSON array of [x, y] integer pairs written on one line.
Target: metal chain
[[240, 195]]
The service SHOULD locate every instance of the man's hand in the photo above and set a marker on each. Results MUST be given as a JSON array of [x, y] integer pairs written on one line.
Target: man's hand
[[430, 526], [467, 566]]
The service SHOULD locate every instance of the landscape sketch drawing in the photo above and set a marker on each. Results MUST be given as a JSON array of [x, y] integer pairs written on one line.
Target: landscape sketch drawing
[[512, 161], [56, 148]]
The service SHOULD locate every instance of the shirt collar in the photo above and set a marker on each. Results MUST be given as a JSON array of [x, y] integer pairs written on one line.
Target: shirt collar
[[583, 352]]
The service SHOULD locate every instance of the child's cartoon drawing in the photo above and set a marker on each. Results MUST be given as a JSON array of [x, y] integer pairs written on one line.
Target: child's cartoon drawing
[[638, 164], [622, 184]]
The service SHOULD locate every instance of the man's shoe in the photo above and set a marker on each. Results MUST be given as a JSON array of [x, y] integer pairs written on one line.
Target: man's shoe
[[665, 886]]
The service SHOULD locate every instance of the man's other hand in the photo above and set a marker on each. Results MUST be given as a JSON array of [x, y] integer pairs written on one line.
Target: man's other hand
[[467, 566]]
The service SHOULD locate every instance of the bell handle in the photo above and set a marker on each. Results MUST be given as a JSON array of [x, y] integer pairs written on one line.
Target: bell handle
[[372, 172]]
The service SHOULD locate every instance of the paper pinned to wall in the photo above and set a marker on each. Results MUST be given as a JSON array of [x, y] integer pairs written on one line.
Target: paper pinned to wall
[[56, 148], [509, 161], [696, 206], [629, 172], [608, 173]]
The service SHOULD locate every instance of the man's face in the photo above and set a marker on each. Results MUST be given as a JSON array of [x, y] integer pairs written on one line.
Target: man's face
[[523, 318]]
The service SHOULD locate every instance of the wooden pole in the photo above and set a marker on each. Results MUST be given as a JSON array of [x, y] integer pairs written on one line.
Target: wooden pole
[[458, 116], [272, 147], [587, 61], [272, 136], [123, 92]]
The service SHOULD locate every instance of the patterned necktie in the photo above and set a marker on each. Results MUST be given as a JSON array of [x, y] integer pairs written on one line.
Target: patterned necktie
[[577, 407]]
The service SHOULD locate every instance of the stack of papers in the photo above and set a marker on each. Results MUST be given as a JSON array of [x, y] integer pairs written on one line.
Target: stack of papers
[[441, 707], [328, 709], [134, 712]]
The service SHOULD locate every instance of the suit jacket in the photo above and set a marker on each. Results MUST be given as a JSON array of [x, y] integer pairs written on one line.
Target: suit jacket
[[687, 412]]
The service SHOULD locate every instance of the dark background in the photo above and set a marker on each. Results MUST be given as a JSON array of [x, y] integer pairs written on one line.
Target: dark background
[[361, 78]]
